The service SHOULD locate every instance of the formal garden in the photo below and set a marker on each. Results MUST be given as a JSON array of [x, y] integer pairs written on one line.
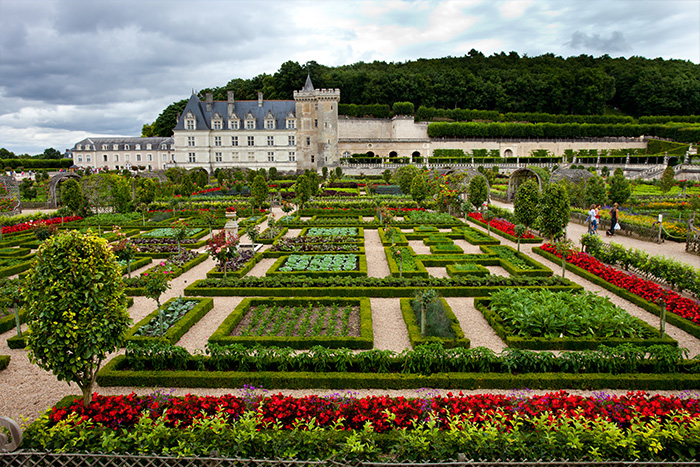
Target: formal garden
[[473, 331]]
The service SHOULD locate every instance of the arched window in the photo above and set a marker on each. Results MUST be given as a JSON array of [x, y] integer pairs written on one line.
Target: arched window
[[508, 153], [393, 154]]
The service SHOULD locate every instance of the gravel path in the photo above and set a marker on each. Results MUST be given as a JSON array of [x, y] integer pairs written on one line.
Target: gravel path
[[26, 390]]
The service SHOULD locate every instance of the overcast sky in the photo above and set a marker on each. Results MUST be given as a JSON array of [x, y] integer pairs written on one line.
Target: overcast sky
[[76, 68]]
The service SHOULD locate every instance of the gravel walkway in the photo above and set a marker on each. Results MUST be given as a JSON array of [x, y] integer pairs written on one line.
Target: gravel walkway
[[26, 390]]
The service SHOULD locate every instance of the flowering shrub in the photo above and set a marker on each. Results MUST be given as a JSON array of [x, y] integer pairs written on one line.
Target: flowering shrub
[[500, 224], [648, 290], [32, 224]]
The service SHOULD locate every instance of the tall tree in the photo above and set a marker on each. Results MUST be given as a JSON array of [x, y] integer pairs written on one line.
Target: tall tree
[[259, 191], [478, 191], [619, 188], [526, 203], [76, 307], [554, 211], [596, 191]]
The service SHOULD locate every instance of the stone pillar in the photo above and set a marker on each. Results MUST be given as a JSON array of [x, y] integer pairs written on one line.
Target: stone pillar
[[231, 226]]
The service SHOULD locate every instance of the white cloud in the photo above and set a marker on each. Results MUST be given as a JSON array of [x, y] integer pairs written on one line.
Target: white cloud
[[514, 8]]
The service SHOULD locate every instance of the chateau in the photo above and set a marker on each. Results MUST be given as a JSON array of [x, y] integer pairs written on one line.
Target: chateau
[[294, 135]]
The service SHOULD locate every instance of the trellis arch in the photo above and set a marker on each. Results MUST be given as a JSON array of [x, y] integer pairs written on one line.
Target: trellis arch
[[573, 175], [54, 189], [9, 196], [519, 177], [463, 185]]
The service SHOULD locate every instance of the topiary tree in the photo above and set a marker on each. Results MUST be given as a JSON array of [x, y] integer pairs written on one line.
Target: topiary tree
[[259, 191], [526, 203], [477, 191], [666, 182], [619, 190], [302, 190], [386, 175], [596, 191], [404, 177], [72, 195], [419, 188], [76, 307], [554, 210]]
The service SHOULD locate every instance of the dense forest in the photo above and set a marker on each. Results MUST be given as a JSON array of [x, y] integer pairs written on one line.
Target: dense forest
[[582, 85]]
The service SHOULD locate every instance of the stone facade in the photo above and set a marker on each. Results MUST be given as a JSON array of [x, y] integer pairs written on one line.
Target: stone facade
[[123, 153]]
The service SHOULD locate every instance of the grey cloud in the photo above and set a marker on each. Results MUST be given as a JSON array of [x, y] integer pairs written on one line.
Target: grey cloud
[[616, 42]]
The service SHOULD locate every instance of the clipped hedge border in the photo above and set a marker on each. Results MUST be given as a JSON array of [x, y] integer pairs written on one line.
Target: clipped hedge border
[[437, 239], [539, 271], [114, 374], [505, 235], [250, 264], [394, 266], [378, 292], [360, 231], [279, 254], [135, 291], [15, 241], [8, 322], [361, 259], [138, 263], [478, 271], [439, 261], [475, 236], [247, 223], [413, 327], [397, 239], [4, 361], [178, 329], [565, 343], [270, 241], [17, 342], [15, 252], [222, 335], [16, 269], [446, 249], [681, 323]]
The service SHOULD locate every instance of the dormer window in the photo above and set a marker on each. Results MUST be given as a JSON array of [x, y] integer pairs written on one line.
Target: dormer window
[[137, 147], [250, 122], [162, 146], [148, 147], [190, 121], [126, 147], [104, 147], [216, 121], [115, 147], [269, 121], [291, 121], [233, 122], [78, 147]]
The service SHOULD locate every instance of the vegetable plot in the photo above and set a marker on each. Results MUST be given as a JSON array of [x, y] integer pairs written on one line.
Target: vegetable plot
[[313, 263]]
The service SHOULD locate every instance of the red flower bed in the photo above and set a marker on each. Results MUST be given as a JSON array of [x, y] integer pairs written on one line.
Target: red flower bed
[[31, 224], [208, 190], [124, 411], [500, 224], [406, 209], [648, 290]]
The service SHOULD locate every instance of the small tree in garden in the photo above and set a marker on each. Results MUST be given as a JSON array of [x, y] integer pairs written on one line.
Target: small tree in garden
[[72, 195], [386, 175], [155, 283], [465, 207], [259, 191], [563, 247], [77, 314], [488, 217], [477, 191], [339, 172], [619, 187], [253, 233], [596, 191], [666, 182], [223, 248], [303, 190], [398, 256], [404, 177], [180, 231], [419, 188], [124, 249], [287, 207], [526, 203], [554, 211], [143, 209], [519, 232], [208, 217], [324, 172], [425, 298]]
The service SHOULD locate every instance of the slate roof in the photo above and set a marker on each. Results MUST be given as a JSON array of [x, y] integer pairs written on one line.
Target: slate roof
[[155, 141], [279, 109]]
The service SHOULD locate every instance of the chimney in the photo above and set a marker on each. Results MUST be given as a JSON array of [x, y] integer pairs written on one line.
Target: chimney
[[260, 98], [231, 104], [210, 101]]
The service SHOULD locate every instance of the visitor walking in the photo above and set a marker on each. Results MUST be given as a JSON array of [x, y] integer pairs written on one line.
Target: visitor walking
[[591, 220], [613, 221], [597, 218]]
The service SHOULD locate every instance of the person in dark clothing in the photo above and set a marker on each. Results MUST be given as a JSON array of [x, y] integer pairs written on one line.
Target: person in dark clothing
[[613, 221]]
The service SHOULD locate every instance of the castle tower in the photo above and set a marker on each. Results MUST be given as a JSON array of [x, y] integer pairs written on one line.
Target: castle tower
[[317, 131]]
